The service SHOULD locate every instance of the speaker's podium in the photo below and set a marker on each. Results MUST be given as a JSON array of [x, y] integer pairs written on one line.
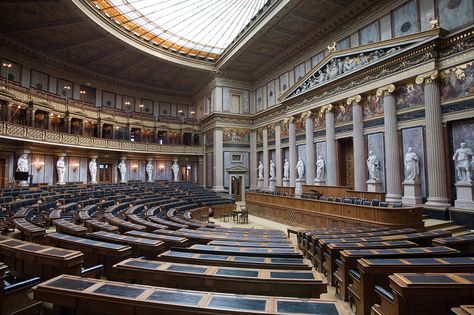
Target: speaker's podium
[[23, 177]]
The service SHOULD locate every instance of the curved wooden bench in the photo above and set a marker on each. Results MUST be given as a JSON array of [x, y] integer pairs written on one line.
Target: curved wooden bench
[[66, 227], [29, 231]]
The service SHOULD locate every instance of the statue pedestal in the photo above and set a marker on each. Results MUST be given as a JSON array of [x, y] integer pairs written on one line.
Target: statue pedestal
[[299, 186], [271, 184], [465, 195], [123, 181], [411, 193], [60, 183], [374, 185], [319, 182], [93, 182], [286, 182], [24, 183], [260, 183]]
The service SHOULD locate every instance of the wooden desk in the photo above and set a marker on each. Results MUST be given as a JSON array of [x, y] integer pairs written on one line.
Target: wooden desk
[[221, 279], [242, 251], [150, 226], [234, 261], [170, 241], [310, 213], [63, 226], [95, 252], [463, 310], [124, 226], [140, 246], [34, 260], [433, 293], [375, 272], [29, 231], [348, 261], [463, 243], [170, 224], [326, 190], [251, 244], [96, 226], [92, 296]]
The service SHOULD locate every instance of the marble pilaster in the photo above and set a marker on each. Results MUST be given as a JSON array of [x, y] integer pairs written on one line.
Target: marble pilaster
[[392, 155], [278, 155], [310, 164], [218, 160], [358, 143], [435, 159], [331, 175], [253, 159], [292, 150], [266, 160]]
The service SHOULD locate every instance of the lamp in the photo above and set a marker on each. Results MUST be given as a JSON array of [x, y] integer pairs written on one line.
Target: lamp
[[161, 167], [134, 167], [74, 166], [39, 165]]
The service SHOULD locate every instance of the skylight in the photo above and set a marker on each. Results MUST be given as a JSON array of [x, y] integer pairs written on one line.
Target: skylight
[[196, 28]]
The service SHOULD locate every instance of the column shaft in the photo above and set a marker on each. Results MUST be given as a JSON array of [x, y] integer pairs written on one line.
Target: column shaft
[[292, 150], [435, 159], [392, 156], [253, 159], [331, 178], [309, 151], [218, 161], [359, 150], [278, 158], [266, 159]]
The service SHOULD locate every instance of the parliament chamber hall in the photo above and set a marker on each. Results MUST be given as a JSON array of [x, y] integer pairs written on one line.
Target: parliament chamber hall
[[237, 157]]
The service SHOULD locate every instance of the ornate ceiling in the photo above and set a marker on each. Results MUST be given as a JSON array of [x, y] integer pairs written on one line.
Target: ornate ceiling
[[59, 30]]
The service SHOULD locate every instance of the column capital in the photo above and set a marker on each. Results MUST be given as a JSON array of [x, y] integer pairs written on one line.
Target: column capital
[[288, 120], [307, 114], [327, 108], [386, 90], [356, 98], [428, 77]]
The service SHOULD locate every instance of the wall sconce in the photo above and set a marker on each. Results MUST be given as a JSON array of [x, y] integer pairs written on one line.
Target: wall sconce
[[74, 166], [39, 165], [161, 167], [134, 167]]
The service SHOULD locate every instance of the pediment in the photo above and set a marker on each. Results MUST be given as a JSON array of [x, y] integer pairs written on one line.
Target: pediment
[[236, 169], [344, 63]]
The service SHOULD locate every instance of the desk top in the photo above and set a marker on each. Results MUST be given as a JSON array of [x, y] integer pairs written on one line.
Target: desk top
[[408, 280], [397, 251], [126, 239], [104, 291], [340, 246], [87, 242], [154, 236], [424, 261]]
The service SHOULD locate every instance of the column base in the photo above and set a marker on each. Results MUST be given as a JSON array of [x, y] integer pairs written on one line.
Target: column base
[[465, 195], [271, 185], [286, 182], [93, 182], [24, 184], [299, 186], [319, 182], [374, 185], [260, 183], [219, 189], [393, 198], [412, 193]]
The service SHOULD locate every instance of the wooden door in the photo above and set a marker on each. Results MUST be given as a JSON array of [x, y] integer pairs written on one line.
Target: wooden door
[[345, 162], [105, 173], [3, 173], [236, 188]]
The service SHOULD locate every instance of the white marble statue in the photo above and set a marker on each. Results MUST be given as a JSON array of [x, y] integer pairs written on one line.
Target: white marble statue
[[175, 168], [286, 169], [373, 166], [93, 170], [412, 169], [260, 170], [149, 170], [123, 171], [463, 159], [61, 167], [272, 170], [320, 169], [300, 168], [22, 164]]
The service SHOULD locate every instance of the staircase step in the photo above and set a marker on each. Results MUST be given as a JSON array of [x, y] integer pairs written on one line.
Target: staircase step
[[462, 233], [432, 224]]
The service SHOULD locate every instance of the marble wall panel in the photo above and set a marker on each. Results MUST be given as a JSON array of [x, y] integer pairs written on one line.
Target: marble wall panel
[[39, 80], [375, 143], [108, 99], [245, 102], [414, 137], [228, 163], [271, 99], [321, 150], [317, 59], [259, 99], [209, 169], [455, 13], [405, 19], [370, 33], [462, 131], [299, 71], [284, 83], [426, 12], [344, 43]]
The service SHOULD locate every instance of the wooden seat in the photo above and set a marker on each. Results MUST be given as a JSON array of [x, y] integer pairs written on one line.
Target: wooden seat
[[425, 293], [221, 279], [66, 227], [93, 296]]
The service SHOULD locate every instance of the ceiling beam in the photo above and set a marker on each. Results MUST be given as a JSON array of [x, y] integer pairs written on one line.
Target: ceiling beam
[[74, 42], [286, 31], [39, 26]]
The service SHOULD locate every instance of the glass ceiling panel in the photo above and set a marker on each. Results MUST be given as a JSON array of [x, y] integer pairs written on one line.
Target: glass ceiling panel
[[201, 28]]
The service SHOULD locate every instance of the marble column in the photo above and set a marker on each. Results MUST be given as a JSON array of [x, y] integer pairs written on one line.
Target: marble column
[[278, 157], [266, 160], [201, 172], [293, 158], [253, 159], [99, 129], [358, 143], [331, 173], [218, 161], [435, 159], [392, 154], [309, 156]]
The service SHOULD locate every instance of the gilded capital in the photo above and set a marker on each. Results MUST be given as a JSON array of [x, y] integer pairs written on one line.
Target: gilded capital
[[288, 120], [428, 77], [307, 114], [386, 90], [327, 108], [357, 98]]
